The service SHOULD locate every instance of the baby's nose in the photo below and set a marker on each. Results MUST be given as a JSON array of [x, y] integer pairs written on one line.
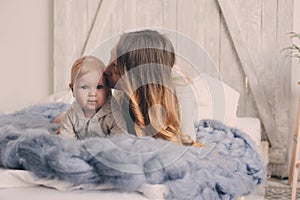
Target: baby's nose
[[92, 92]]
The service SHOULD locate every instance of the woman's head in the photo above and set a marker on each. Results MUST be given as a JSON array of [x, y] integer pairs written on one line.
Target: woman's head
[[144, 47], [139, 48], [88, 84]]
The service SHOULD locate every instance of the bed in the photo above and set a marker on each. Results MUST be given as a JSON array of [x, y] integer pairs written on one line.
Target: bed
[[36, 163]]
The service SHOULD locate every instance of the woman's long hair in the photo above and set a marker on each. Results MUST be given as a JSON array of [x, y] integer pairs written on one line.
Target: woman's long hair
[[145, 60]]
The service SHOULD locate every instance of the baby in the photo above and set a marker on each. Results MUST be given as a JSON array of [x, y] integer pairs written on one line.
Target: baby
[[90, 115]]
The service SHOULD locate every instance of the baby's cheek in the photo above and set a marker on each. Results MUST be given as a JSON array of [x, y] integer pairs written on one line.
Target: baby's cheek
[[102, 96]]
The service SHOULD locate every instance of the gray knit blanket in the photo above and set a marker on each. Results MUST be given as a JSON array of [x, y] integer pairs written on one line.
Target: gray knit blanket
[[227, 166]]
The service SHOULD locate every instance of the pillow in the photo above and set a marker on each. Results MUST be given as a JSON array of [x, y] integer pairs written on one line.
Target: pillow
[[216, 100], [64, 97], [204, 98]]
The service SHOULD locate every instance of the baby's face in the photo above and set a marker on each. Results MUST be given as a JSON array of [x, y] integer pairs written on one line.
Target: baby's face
[[90, 91]]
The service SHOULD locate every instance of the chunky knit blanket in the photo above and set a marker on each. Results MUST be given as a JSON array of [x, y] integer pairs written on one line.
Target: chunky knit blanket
[[227, 166]]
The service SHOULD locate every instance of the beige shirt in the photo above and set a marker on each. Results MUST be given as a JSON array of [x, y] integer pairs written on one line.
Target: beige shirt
[[103, 124]]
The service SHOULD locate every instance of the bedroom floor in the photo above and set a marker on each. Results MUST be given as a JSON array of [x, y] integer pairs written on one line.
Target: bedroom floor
[[278, 189], [274, 189]]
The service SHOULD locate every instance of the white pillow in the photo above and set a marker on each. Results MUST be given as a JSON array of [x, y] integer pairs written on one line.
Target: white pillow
[[216, 100], [64, 97]]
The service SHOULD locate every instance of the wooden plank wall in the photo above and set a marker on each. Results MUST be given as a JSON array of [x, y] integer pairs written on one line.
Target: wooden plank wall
[[264, 24], [72, 21]]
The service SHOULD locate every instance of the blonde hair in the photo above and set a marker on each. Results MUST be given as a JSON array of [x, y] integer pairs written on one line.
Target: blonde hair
[[153, 105], [79, 68]]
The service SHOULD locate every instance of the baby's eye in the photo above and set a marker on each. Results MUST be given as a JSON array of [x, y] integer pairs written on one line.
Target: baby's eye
[[84, 87], [99, 87]]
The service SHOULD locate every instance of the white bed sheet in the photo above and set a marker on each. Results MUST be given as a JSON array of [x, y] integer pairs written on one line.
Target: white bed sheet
[[23, 185], [44, 193]]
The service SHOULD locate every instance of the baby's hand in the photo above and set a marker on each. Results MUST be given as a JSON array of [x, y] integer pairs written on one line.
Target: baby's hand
[[59, 118]]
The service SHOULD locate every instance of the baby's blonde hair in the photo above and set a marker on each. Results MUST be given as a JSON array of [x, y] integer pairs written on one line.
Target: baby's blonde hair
[[78, 69]]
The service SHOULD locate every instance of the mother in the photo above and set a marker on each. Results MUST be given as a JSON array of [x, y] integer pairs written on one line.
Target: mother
[[141, 67]]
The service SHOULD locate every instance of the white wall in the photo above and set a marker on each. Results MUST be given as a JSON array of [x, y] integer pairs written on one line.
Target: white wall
[[296, 66], [297, 27], [25, 52], [295, 77]]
